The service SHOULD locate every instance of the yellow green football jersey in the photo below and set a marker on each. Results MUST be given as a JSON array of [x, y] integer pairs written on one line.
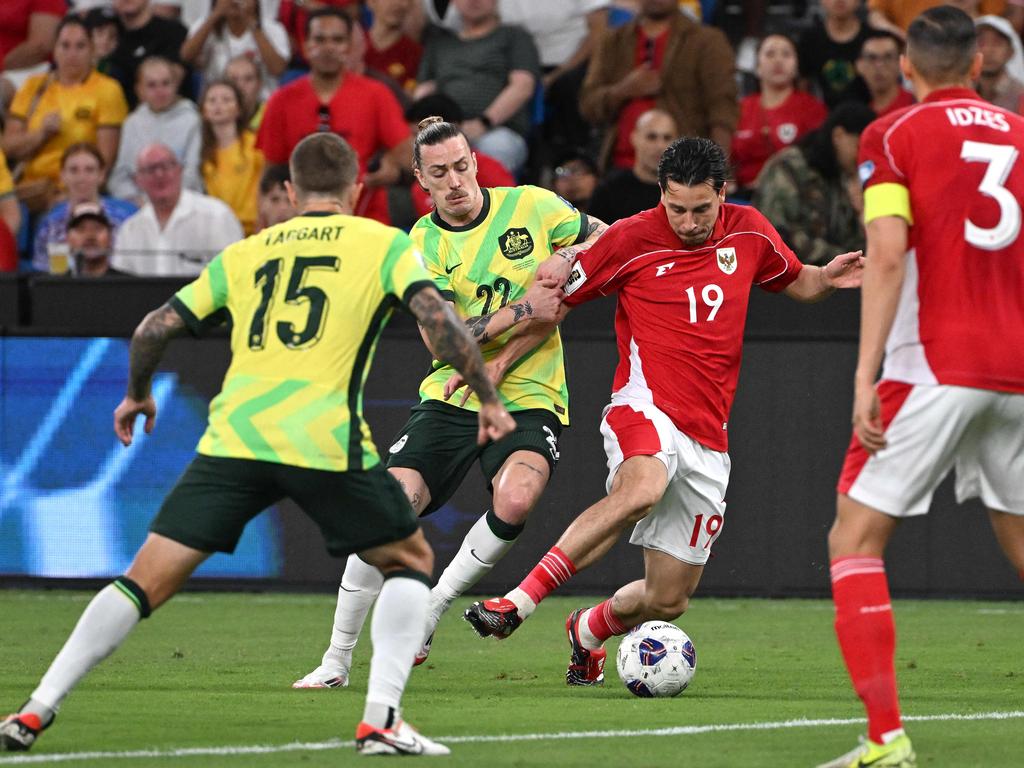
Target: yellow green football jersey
[[484, 265], [308, 299]]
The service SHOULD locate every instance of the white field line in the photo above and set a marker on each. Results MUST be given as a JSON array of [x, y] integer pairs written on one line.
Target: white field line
[[318, 746]]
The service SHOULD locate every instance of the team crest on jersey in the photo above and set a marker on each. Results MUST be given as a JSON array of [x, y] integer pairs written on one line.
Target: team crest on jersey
[[786, 133], [516, 243], [726, 260]]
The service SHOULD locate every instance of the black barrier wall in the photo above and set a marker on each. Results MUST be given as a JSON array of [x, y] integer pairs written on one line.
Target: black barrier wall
[[788, 433]]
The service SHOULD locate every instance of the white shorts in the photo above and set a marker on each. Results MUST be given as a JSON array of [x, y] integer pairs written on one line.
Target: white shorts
[[928, 430], [691, 513]]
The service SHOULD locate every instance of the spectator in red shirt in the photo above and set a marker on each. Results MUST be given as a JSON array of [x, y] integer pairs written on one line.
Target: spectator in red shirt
[[879, 68], [777, 115], [28, 29], [360, 110], [388, 48]]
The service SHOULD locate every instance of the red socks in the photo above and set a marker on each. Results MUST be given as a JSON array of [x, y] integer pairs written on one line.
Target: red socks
[[867, 637], [553, 570], [603, 623]]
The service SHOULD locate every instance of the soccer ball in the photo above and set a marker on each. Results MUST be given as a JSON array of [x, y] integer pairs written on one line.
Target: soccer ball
[[656, 659]]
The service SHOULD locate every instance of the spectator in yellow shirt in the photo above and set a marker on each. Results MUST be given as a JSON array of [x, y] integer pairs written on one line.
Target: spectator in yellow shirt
[[73, 103], [231, 163], [10, 212]]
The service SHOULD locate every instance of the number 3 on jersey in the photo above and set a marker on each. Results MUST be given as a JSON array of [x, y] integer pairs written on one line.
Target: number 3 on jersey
[[297, 293], [1000, 159]]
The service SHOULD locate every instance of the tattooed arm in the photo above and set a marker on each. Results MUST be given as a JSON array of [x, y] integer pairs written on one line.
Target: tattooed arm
[[558, 266], [531, 335], [147, 347], [450, 342], [541, 302]]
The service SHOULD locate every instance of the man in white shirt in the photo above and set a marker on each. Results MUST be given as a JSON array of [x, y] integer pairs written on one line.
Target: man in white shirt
[[177, 231]]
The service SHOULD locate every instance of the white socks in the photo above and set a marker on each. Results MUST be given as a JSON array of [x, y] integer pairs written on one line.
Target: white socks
[[104, 625], [396, 630], [485, 544], [360, 585]]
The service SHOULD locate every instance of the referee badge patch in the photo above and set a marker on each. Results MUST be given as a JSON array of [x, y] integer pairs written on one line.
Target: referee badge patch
[[516, 243]]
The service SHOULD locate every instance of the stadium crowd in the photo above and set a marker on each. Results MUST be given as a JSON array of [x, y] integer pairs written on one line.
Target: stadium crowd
[[173, 119]]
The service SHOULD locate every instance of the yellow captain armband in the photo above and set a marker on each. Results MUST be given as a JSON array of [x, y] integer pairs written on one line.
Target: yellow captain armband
[[888, 199]]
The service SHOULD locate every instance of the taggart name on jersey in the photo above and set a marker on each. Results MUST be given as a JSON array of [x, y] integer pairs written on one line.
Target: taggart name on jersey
[[966, 116], [329, 232]]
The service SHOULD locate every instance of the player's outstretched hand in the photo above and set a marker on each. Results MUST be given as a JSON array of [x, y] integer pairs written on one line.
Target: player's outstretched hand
[[495, 422], [867, 418], [846, 270], [545, 299], [554, 268], [126, 413]]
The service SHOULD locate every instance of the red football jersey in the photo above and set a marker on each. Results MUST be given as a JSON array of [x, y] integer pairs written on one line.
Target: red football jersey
[[951, 166], [760, 132], [362, 111], [681, 311]]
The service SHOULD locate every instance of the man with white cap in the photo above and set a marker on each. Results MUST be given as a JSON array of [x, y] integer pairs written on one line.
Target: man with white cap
[[1002, 70]]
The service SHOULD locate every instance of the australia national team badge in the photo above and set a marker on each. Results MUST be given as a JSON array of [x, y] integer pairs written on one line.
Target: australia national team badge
[[727, 260], [516, 243]]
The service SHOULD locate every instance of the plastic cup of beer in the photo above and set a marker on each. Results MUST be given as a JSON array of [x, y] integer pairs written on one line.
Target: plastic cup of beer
[[59, 261]]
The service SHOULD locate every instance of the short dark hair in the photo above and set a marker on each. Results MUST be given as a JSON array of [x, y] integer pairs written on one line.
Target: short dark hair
[[321, 13], [323, 165], [274, 176], [72, 20], [433, 130], [692, 160], [883, 34], [941, 44], [83, 148], [817, 146]]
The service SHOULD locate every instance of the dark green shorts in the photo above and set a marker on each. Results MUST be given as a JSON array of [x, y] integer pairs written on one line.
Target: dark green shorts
[[215, 497], [439, 442]]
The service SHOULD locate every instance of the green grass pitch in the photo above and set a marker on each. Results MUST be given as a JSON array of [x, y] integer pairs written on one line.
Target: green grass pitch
[[213, 670]]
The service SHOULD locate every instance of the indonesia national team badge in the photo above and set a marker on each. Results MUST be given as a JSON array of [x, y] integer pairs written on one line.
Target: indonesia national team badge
[[516, 243], [726, 260]]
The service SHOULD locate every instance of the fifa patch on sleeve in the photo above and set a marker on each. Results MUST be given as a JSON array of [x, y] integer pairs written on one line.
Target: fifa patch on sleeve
[[866, 170], [577, 277]]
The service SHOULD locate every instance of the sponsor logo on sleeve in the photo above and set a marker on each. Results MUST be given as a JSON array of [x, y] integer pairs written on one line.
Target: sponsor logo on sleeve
[[577, 277], [399, 445], [726, 260]]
